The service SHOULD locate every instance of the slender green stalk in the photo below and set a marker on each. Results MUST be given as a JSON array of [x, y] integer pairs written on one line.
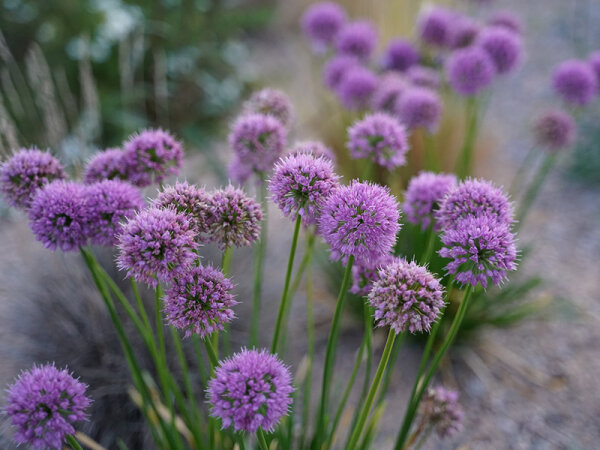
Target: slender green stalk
[[212, 355], [73, 442], [366, 409], [414, 405], [432, 162], [262, 440], [390, 369], [367, 172], [517, 181], [464, 163], [342, 405], [241, 442], [285, 298], [259, 255], [330, 353], [140, 304], [429, 246], [534, 188]]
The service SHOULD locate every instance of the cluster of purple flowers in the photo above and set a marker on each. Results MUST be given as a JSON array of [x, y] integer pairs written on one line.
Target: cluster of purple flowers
[[423, 196], [440, 408]]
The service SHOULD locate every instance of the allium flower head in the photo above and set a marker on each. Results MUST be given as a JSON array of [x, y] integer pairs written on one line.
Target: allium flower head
[[435, 26], [43, 404], [337, 68], [151, 156], [356, 88], [157, 245], [575, 82], [271, 102], [257, 141], [423, 76], [190, 200], [109, 164], [470, 70], [25, 172], [389, 89], [473, 198], [357, 39], [59, 216], [423, 195], [110, 202], [366, 273], [251, 389], [464, 32], [482, 249], [420, 108], [406, 296], [399, 55], [441, 409], [234, 219], [508, 20], [555, 130], [380, 137], [315, 148], [199, 301], [321, 23], [300, 184], [360, 219], [594, 60], [503, 46]]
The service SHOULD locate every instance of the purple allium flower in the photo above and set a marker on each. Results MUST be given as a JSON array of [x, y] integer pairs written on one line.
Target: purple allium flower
[[109, 164], [356, 88], [157, 245], [435, 26], [399, 55], [250, 390], [555, 130], [190, 200], [336, 69], [300, 184], [151, 156], [380, 137], [473, 198], [423, 195], [257, 141], [481, 248], [235, 218], [364, 275], [360, 219], [315, 148], [25, 172], [464, 32], [238, 171], [470, 70], [503, 46], [508, 20], [321, 23], [441, 409], [406, 296], [420, 108], [594, 61], [423, 76], [389, 89], [110, 202], [199, 301], [44, 403], [59, 216], [575, 82], [357, 39], [271, 102]]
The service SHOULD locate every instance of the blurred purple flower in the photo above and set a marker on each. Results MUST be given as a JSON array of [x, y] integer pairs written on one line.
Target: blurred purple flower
[[109, 164], [336, 69], [441, 409], [470, 70], [315, 148], [321, 23], [420, 108], [423, 77], [399, 55], [389, 88], [357, 39], [271, 102], [434, 26], [423, 195], [503, 46], [555, 130], [508, 20], [575, 82], [356, 88]]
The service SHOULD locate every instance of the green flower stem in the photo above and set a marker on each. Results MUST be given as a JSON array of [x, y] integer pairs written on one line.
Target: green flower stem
[[259, 255], [368, 403], [199, 359], [414, 404], [464, 163], [367, 172], [212, 354], [171, 435], [285, 298], [342, 405], [330, 353], [534, 188], [429, 246], [140, 304], [262, 440], [310, 337], [387, 377], [73, 442], [431, 159]]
